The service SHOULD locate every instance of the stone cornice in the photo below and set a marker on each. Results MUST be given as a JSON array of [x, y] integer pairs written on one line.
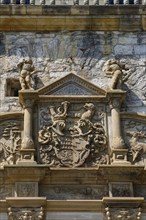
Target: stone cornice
[[72, 205], [57, 18], [72, 78], [134, 116], [11, 115]]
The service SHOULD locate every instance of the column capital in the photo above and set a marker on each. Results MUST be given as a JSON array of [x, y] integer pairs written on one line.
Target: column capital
[[116, 97], [27, 98], [115, 103]]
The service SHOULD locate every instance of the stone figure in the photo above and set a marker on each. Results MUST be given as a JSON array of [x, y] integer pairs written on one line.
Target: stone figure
[[114, 68], [26, 71], [137, 148]]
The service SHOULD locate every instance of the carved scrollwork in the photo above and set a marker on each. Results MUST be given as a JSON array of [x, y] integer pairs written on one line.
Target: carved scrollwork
[[25, 214], [10, 143], [122, 214], [72, 146]]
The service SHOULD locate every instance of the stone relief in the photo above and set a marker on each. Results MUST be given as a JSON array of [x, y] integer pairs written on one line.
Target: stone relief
[[135, 136], [140, 190], [25, 214], [26, 71], [118, 189], [10, 142], [115, 69], [122, 214], [5, 191], [59, 192], [72, 139], [137, 147], [26, 189]]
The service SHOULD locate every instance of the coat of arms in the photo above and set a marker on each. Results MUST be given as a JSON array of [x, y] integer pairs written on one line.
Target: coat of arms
[[84, 143]]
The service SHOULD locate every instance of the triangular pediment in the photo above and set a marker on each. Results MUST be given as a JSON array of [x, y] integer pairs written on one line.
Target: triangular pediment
[[72, 85]]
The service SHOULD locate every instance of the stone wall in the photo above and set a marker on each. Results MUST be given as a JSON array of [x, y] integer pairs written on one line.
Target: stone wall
[[55, 54]]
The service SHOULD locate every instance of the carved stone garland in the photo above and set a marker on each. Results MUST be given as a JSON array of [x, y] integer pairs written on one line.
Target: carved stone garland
[[83, 144]]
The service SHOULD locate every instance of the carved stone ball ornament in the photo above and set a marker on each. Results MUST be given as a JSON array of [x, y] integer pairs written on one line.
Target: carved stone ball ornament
[[25, 213], [73, 143], [123, 213]]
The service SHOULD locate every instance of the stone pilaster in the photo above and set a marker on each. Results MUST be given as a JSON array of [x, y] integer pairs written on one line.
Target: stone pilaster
[[27, 99], [119, 151]]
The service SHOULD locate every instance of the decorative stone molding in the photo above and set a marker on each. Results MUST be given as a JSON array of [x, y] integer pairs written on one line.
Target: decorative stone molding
[[123, 214], [25, 213], [122, 208]]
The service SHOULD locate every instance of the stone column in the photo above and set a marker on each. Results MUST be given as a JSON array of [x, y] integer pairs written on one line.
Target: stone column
[[27, 142], [27, 99], [119, 151], [117, 140]]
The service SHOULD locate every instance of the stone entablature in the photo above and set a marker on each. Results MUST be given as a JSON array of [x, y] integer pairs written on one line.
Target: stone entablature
[[94, 18]]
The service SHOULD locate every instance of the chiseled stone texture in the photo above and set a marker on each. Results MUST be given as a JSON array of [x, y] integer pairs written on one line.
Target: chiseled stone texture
[[74, 216], [3, 216], [55, 54], [143, 217]]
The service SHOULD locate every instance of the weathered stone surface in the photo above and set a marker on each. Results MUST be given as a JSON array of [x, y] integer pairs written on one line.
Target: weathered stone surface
[[123, 50], [56, 54], [3, 216], [74, 215]]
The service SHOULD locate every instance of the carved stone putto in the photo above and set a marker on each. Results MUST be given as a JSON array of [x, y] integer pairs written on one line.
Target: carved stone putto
[[115, 69], [73, 140], [26, 71]]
